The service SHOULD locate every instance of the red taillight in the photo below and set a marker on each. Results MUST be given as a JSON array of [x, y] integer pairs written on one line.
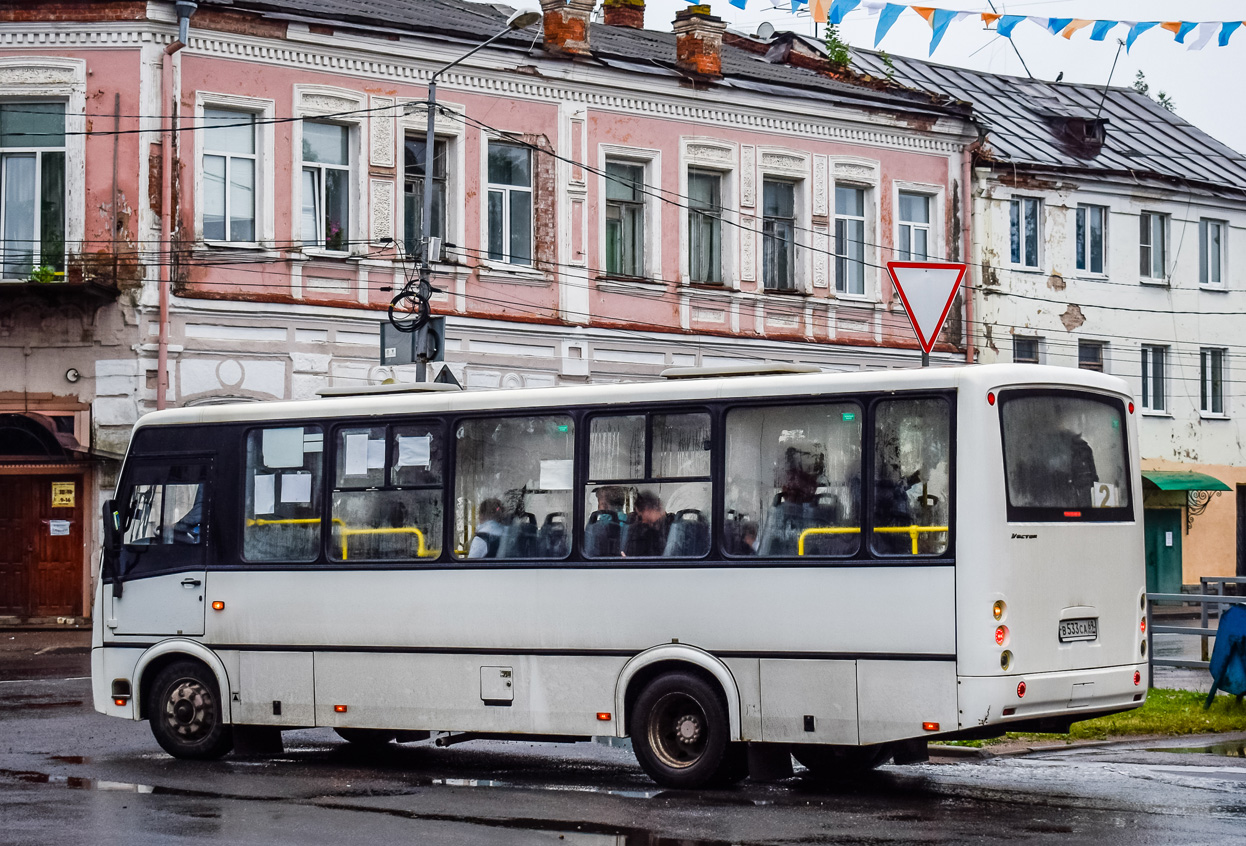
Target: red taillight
[[990, 398], [1020, 689], [1001, 635], [1142, 625], [1137, 677], [1131, 408], [1072, 514]]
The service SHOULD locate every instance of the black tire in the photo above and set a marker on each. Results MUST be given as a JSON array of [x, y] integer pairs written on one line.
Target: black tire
[[366, 738], [839, 763], [186, 713], [681, 734]]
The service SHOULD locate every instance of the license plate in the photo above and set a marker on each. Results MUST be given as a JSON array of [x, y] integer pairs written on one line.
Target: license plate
[[1086, 628]]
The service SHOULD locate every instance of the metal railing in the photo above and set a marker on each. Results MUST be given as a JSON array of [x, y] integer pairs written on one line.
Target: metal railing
[[1210, 604]]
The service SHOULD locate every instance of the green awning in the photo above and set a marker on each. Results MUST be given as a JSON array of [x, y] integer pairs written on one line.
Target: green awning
[[1180, 480]]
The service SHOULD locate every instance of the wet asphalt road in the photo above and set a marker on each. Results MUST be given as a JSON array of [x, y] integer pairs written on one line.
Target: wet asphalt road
[[68, 775]]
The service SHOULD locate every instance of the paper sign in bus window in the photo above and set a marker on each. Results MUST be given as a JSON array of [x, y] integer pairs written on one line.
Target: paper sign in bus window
[[283, 447], [376, 454], [356, 458], [313, 442], [1104, 495], [557, 474], [265, 493], [296, 487], [415, 451]]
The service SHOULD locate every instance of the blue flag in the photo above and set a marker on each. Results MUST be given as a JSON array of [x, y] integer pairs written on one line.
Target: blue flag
[[939, 22], [1101, 30], [1056, 25], [1136, 30], [1007, 24], [1184, 30], [840, 8], [886, 18], [1226, 32]]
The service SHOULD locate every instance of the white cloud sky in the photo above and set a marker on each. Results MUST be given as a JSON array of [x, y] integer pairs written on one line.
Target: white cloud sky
[[1201, 83]]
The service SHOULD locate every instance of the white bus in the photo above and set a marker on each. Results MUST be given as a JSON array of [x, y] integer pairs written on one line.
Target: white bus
[[840, 565]]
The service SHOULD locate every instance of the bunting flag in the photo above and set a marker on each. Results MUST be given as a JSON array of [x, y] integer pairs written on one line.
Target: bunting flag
[[834, 12]]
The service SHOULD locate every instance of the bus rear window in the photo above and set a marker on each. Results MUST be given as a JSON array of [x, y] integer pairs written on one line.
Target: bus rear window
[[1066, 458]]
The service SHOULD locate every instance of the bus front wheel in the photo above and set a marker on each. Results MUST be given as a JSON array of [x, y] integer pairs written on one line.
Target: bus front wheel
[[185, 712], [838, 762], [681, 734]]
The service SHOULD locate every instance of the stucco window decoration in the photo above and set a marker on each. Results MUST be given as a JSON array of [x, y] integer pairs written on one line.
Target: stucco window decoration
[[705, 226], [1154, 389], [778, 256], [1025, 230], [510, 203], [1091, 243], [625, 219], [1211, 252], [849, 239], [1211, 378], [1153, 242], [914, 234], [32, 189], [326, 186], [415, 178], [229, 172]]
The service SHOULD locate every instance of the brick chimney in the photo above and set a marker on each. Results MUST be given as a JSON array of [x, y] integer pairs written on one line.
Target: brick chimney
[[699, 41], [628, 13], [566, 26]]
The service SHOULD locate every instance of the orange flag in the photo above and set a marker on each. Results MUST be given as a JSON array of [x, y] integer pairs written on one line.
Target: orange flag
[[1171, 26], [1077, 24], [988, 18], [926, 12], [818, 9]]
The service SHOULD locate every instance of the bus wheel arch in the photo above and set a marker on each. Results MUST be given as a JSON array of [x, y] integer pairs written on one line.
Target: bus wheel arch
[[642, 669], [155, 659]]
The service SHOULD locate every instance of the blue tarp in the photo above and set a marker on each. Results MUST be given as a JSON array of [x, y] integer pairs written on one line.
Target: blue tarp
[[1228, 658]]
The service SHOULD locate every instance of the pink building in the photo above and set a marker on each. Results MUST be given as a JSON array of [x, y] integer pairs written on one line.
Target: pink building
[[611, 201]]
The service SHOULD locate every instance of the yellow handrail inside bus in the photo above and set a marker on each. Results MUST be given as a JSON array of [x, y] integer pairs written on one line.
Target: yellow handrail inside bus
[[911, 531], [420, 549]]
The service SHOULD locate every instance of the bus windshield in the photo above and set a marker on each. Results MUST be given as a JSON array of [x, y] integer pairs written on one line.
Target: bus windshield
[[1065, 456]]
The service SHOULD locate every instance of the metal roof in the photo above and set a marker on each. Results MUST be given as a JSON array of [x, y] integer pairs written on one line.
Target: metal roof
[[1023, 120]]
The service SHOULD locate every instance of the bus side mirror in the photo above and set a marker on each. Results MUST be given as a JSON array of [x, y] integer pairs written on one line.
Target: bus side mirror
[[112, 528]]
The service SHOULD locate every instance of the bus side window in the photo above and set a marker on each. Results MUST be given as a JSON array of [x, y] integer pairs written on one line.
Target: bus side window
[[284, 479], [513, 486], [386, 493], [793, 481], [912, 456], [165, 519]]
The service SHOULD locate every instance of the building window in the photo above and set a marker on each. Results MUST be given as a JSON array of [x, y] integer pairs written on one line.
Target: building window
[[326, 186], [1092, 227], [778, 227], [625, 219], [849, 240], [414, 177], [1025, 350], [1153, 387], [510, 203], [1211, 369], [914, 240], [1090, 355], [1210, 252], [229, 169], [705, 227], [32, 189], [1024, 230], [1153, 244]]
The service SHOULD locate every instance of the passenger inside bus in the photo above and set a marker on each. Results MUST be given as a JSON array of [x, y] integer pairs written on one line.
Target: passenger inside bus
[[799, 505], [489, 530], [604, 528], [647, 529]]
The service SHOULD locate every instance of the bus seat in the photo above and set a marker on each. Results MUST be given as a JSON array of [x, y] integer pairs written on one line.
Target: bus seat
[[552, 537], [689, 535], [603, 535], [519, 539]]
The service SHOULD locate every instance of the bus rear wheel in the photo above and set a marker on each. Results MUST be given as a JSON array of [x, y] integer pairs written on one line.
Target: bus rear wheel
[[681, 734], [836, 763], [185, 712]]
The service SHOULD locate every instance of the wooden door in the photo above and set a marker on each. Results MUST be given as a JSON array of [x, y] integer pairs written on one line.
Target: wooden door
[[41, 537], [16, 544]]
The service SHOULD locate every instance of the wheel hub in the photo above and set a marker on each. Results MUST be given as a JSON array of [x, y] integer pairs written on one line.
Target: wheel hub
[[687, 729], [188, 710]]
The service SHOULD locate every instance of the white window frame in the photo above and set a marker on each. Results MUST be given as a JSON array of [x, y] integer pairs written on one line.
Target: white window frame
[[1158, 225], [936, 243], [318, 102], [1207, 357], [711, 155], [651, 204], [1081, 219], [867, 199], [489, 187], [1204, 254], [1038, 349], [1022, 202], [53, 78], [783, 164], [448, 127], [265, 212], [792, 260], [1147, 399]]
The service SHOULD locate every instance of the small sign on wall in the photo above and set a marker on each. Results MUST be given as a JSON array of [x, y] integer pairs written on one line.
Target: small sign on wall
[[63, 494], [59, 528]]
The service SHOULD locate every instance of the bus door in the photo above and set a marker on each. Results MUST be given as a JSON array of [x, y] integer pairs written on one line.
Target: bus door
[[159, 586]]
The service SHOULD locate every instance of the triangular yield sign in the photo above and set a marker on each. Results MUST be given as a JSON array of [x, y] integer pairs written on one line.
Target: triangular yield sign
[[927, 291]]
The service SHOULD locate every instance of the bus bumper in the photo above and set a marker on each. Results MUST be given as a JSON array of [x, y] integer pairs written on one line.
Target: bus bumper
[[1062, 695], [107, 666]]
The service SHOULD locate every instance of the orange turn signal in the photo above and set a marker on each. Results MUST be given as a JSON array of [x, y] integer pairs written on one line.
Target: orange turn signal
[[341, 709], [930, 726], [120, 702], [218, 606], [604, 716]]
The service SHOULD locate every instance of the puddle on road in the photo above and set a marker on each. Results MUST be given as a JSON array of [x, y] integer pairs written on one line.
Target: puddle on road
[[77, 783], [1233, 749]]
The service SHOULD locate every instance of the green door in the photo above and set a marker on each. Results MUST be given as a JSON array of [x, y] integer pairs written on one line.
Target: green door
[[1163, 549]]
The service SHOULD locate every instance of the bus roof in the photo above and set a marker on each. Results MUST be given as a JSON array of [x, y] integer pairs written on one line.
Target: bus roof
[[981, 377]]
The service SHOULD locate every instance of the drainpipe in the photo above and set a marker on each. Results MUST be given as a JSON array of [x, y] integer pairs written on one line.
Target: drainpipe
[[169, 97], [966, 240]]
